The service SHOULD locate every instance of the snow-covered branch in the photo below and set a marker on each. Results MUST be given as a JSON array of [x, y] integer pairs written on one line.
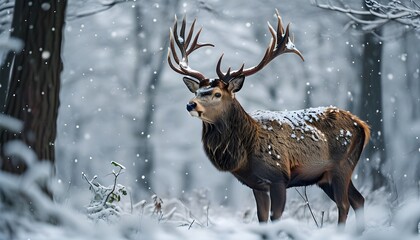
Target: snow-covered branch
[[377, 14], [6, 12]]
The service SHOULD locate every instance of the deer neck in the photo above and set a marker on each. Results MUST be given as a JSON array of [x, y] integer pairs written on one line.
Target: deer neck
[[229, 141]]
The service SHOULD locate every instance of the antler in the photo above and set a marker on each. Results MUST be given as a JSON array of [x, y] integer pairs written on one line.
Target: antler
[[280, 43], [182, 43]]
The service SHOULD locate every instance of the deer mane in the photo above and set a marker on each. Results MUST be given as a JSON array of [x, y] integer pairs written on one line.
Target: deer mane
[[229, 141]]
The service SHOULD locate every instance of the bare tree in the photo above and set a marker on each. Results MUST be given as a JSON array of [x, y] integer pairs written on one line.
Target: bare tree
[[146, 79], [371, 110]]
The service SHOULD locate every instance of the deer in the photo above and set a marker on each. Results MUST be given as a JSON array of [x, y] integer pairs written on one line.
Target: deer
[[270, 151]]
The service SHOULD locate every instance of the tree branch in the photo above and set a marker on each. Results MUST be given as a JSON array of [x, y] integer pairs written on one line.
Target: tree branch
[[381, 14]]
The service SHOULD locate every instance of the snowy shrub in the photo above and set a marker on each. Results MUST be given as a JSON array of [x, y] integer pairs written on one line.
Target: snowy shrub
[[107, 204], [104, 204], [23, 202]]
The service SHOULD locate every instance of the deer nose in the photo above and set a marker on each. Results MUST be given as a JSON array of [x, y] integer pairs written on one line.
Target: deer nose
[[191, 106]]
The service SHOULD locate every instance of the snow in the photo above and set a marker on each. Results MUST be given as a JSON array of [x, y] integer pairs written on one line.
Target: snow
[[45, 55], [45, 6], [290, 45], [298, 120], [178, 223], [294, 119], [11, 43], [173, 218], [12, 124]]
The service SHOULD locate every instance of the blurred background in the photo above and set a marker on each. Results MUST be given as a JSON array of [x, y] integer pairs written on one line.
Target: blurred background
[[121, 102]]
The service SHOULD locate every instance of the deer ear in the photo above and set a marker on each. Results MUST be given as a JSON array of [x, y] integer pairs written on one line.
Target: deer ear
[[191, 84], [236, 84]]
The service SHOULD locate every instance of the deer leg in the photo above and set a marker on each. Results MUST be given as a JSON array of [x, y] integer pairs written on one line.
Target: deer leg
[[263, 205], [278, 200], [357, 202], [340, 188], [326, 187]]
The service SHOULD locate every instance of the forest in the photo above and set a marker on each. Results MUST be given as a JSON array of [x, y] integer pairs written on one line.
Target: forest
[[96, 143]]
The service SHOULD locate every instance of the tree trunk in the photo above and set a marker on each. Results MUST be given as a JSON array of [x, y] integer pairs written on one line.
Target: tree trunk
[[145, 147], [371, 111], [33, 95], [412, 72]]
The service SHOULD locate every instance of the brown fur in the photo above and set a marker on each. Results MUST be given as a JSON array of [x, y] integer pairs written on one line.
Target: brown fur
[[236, 139], [264, 158], [226, 149]]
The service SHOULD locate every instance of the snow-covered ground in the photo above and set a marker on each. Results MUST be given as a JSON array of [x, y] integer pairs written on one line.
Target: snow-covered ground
[[26, 214]]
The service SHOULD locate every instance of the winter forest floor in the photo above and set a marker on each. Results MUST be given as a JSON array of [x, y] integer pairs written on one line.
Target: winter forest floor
[[29, 214]]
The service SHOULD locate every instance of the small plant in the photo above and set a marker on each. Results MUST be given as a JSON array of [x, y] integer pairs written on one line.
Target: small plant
[[115, 194], [157, 201], [103, 204]]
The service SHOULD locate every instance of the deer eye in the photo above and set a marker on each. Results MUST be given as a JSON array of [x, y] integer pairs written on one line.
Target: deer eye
[[217, 95]]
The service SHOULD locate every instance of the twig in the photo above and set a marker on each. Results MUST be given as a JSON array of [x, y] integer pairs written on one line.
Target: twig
[[208, 206], [191, 224], [322, 219], [6, 6], [305, 198], [115, 183], [89, 181], [131, 202]]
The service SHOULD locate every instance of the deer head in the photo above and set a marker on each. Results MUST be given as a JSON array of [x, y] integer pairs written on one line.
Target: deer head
[[213, 96]]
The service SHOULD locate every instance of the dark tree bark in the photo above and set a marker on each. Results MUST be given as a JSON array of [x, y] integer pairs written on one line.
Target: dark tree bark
[[371, 111], [33, 94]]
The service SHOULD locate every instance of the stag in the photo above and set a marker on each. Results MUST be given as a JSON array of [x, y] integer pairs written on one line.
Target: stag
[[270, 151]]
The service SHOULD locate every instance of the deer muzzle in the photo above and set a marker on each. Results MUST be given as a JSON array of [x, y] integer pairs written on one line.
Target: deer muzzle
[[192, 109], [191, 106]]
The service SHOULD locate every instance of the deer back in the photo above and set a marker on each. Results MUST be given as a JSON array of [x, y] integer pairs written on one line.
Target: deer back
[[307, 142]]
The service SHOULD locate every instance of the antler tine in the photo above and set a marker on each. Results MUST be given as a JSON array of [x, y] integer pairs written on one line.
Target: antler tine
[[184, 23], [175, 36], [184, 48], [280, 43], [239, 72], [218, 71], [178, 70], [280, 28], [226, 77], [190, 33], [272, 45], [291, 48], [195, 45], [172, 46]]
